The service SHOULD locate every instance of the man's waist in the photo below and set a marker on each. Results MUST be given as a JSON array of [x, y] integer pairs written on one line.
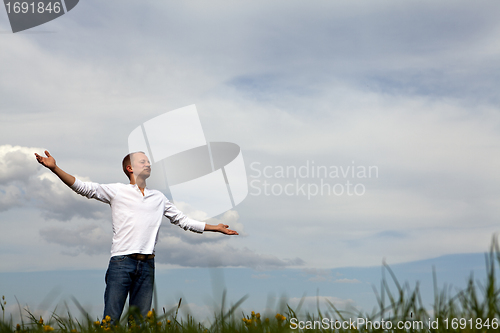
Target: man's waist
[[140, 256]]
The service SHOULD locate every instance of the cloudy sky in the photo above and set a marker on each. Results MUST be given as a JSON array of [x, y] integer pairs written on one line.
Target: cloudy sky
[[405, 89]]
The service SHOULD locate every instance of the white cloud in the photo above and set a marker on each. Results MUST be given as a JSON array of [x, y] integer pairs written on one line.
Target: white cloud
[[325, 275], [310, 303], [16, 163], [319, 275], [347, 281]]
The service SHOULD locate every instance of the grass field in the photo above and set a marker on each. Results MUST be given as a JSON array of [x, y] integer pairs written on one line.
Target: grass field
[[476, 308]]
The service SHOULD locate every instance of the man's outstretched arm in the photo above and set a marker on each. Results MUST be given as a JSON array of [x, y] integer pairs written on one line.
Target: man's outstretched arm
[[50, 163], [179, 218], [222, 228]]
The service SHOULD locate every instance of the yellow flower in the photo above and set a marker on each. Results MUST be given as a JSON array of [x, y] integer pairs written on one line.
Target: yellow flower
[[48, 328], [41, 320], [280, 317], [159, 323], [266, 320], [253, 314], [168, 322], [74, 330], [258, 315], [97, 323], [18, 327], [150, 314], [107, 319]]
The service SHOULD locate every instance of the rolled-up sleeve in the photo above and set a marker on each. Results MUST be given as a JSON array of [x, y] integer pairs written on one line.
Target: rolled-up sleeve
[[178, 218]]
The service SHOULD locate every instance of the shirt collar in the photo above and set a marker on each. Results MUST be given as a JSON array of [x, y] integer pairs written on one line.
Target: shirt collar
[[138, 189]]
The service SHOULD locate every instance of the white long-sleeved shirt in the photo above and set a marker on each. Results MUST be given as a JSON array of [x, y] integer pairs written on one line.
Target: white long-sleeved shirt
[[136, 218]]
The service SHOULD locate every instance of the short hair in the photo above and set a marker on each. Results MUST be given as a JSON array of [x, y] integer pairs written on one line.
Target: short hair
[[126, 162]]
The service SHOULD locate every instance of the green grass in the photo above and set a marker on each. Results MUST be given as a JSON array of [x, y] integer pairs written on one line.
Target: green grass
[[476, 308]]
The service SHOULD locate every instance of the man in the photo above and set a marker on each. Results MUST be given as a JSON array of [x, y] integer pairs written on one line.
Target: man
[[136, 213]]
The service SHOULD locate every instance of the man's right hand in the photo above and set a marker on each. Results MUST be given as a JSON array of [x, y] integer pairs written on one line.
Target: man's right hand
[[48, 162]]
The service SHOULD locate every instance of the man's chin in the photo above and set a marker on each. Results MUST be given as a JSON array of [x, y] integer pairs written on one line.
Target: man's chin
[[144, 174]]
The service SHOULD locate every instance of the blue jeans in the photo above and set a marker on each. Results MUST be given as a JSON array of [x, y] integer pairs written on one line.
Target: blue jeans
[[127, 276]]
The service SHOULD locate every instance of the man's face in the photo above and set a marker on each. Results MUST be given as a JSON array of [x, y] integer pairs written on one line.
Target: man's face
[[140, 165]]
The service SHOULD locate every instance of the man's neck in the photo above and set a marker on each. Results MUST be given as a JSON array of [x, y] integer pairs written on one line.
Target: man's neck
[[141, 183]]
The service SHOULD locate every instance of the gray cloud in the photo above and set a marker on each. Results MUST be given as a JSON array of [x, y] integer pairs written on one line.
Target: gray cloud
[[229, 218], [172, 251], [11, 196], [188, 249], [297, 47], [410, 87], [89, 239], [57, 201], [24, 183], [175, 246]]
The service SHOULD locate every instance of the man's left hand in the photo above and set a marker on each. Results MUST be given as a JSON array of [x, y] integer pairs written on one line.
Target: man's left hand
[[224, 228]]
